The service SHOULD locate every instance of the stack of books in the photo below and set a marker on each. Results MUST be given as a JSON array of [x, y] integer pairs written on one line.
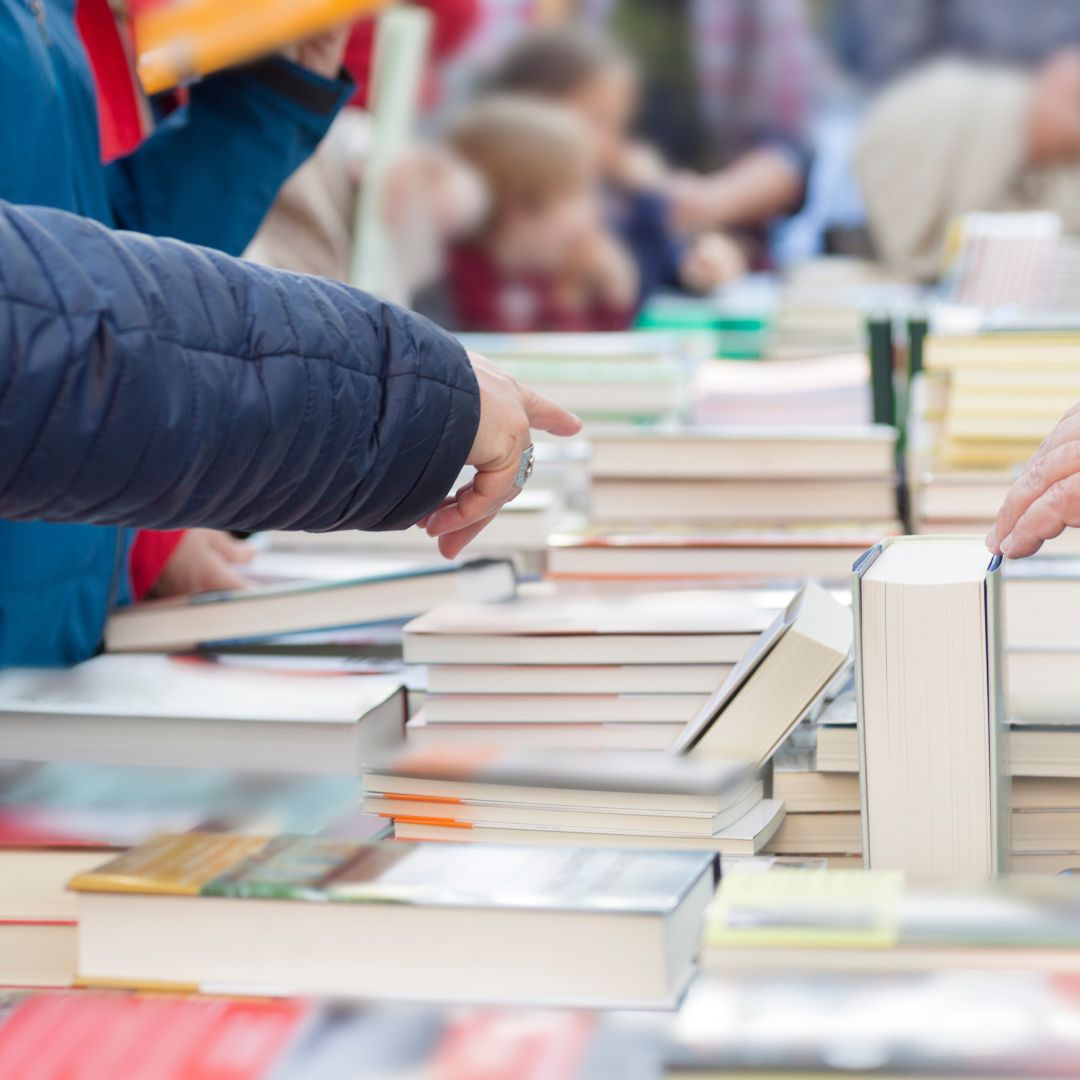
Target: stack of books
[[628, 377], [304, 915], [59, 819], [736, 502], [580, 668], [745, 720], [980, 408], [822, 803]]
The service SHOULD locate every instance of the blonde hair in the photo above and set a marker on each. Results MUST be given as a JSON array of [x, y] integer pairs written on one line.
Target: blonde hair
[[529, 152]]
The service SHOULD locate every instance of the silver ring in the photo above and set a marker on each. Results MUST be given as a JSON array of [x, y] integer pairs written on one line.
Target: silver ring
[[525, 467]]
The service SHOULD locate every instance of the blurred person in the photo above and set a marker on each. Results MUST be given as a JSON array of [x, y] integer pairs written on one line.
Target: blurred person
[[207, 174], [432, 197], [599, 82], [957, 136], [881, 40], [153, 383], [729, 88], [542, 258]]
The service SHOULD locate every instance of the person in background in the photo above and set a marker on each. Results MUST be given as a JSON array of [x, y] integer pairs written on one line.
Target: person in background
[[957, 136], [431, 196], [542, 259], [594, 78], [150, 383], [729, 87], [878, 41], [207, 175]]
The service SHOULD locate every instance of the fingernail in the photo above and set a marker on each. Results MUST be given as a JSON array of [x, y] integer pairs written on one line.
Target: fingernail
[[1007, 546]]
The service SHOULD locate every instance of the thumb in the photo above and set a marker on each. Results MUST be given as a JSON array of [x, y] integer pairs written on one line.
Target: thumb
[[545, 415]]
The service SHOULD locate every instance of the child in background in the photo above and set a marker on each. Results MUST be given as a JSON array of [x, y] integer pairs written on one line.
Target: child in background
[[596, 80], [542, 259]]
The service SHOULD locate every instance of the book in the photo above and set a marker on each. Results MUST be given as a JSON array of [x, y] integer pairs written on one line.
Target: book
[[744, 453], [565, 679], [644, 392], [931, 707], [732, 502], [152, 710], [180, 41], [327, 917], [815, 791], [420, 732], [509, 709], [293, 593], [572, 818], [1034, 750], [767, 552], [617, 347], [106, 1036], [546, 625], [1040, 594], [837, 833], [642, 783], [1044, 683], [871, 921], [746, 836], [774, 685]]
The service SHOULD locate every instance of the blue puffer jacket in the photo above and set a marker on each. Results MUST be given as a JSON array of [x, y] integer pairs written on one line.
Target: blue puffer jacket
[[148, 382], [207, 175]]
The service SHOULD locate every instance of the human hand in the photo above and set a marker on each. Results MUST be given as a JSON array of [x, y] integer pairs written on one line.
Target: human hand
[[507, 412], [1054, 113], [1045, 500], [711, 260], [204, 561], [322, 53]]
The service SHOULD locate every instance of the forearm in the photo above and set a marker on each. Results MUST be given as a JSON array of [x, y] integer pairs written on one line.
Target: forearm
[[758, 187], [211, 171], [154, 384]]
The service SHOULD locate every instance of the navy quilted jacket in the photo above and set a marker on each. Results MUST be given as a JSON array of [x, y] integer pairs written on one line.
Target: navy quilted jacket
[[149, 382]]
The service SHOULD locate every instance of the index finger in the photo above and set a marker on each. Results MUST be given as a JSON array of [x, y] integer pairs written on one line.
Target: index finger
[[545, 415]]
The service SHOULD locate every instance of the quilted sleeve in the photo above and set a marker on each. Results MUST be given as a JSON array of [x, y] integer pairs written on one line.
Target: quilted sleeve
[[146, 382]]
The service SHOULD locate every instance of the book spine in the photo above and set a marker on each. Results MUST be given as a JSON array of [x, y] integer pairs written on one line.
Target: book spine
[[1000, 786], [862, 564]]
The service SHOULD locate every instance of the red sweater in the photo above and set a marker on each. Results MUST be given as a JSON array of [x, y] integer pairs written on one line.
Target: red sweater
[[483, 299]]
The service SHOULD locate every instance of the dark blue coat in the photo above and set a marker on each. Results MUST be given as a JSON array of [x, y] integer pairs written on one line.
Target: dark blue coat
[[208, 175], [149, 382]]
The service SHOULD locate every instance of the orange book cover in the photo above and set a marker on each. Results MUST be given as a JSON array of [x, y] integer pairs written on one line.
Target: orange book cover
[[180, 40]]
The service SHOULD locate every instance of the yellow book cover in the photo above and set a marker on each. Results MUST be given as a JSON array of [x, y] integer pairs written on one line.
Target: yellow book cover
[[796, 908], [180, 40], [173, 865]]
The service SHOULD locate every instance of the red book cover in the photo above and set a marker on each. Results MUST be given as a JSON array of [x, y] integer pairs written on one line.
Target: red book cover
[[107, 1036]]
